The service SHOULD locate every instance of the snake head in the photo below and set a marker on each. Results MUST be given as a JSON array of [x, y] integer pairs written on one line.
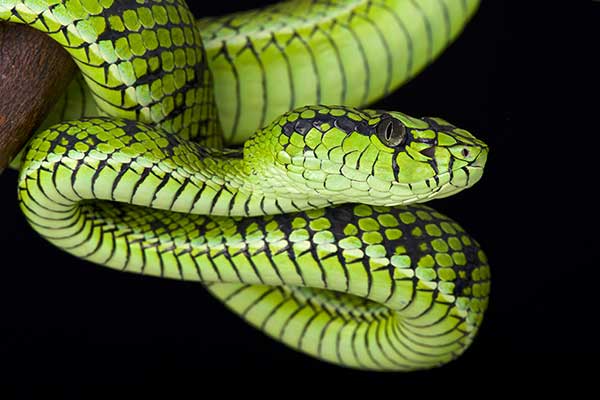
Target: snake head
[[373, 157]]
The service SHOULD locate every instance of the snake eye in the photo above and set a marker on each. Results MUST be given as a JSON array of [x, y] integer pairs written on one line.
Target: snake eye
[[391, 132]]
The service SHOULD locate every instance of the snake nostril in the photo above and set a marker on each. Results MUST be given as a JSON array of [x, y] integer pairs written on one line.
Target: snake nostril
[[465, 153]]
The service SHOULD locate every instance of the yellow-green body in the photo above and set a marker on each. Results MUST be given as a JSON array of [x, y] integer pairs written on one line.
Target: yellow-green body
[[146, 187]]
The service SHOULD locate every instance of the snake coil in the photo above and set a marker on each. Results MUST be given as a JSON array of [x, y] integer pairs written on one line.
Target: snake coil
[[129, 170]]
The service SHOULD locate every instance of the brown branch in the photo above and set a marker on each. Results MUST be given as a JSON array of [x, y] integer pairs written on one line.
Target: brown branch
[[34, 71]]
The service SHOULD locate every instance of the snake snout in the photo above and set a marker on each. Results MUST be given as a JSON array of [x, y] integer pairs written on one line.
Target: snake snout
[[481, 159]]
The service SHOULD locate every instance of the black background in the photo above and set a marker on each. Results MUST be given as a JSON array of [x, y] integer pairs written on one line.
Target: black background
[[64, 319]]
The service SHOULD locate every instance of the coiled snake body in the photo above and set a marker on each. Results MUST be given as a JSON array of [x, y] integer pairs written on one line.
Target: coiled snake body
[[129, 170]]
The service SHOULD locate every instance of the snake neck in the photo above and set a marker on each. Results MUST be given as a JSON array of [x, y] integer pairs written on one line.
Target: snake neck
[[245, 182], [133, 163]]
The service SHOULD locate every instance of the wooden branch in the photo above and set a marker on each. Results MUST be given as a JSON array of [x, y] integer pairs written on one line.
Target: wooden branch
[[34, 71]]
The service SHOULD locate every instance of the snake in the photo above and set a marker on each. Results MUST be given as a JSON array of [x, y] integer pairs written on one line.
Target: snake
[[236, 151]]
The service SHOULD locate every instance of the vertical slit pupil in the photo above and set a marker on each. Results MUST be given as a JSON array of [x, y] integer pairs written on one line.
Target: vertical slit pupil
[[389, 130]]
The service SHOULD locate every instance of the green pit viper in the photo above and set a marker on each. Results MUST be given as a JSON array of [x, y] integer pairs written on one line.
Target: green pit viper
[[310, 231]]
